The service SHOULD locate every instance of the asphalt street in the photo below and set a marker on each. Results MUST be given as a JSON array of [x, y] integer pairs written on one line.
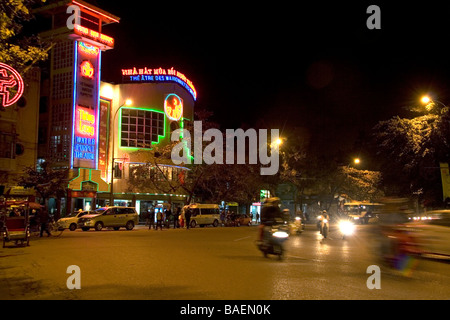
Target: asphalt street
[[209, 263]]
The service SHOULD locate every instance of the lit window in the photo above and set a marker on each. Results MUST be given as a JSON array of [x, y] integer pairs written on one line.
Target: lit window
[[141, 127]]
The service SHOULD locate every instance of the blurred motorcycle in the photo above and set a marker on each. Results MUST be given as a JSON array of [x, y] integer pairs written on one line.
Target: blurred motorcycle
[[324, 223], [325, 227], [273, 240]]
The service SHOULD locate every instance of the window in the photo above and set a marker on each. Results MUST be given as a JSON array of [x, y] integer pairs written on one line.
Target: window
[[7, 144], [140, 128]]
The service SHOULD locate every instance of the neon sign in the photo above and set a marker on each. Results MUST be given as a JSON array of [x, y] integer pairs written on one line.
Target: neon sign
[[11, 85], [87, 69], [173, 107], [83, 47], [93, 35], [85, 142], [159, 75], [85, 122]]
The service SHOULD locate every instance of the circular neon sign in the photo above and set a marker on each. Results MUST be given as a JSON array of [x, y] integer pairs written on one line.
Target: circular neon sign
[[11, 85], [87, 69], [173, 107]]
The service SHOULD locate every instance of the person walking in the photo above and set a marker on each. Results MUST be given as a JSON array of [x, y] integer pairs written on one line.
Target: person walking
[[176, 217], [159, 219], [222, 218], [151, 219], [187, 216], [43, 219]]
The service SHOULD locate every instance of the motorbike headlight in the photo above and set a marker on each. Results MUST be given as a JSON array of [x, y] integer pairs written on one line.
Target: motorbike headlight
[[325, 220], [297, 218], [280, 234], [346, 227]]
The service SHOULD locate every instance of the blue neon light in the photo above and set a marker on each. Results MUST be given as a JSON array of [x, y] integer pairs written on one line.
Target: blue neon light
[[163, 78], [74, 101]]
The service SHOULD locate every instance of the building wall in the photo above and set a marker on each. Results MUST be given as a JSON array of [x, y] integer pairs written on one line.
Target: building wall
[[19, 130], [146, 98]]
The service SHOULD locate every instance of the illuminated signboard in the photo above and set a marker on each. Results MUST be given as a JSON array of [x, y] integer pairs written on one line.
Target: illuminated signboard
[[86, 106], [85, 129], [94, 35], [159, 75], [173, 107], [11, 85], [85, 122]]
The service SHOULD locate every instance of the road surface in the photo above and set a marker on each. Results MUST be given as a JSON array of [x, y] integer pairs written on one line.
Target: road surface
[[209, 263]]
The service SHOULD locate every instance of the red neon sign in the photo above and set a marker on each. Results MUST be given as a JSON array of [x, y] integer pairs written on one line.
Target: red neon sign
[[93, 35], [173, 107], [97, 12], [87, 69], [151, 74], [11, 85]]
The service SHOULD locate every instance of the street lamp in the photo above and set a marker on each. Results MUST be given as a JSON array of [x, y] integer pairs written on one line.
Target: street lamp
[[278, 141], [356, 161], [429, 102], [128, 102]]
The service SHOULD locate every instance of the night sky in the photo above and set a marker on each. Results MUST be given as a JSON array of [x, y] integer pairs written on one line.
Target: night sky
[[284, 65]]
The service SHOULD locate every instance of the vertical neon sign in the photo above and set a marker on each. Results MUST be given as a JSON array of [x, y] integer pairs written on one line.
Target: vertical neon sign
[[86, 106]]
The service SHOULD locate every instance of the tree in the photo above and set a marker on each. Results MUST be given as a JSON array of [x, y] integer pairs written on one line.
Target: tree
[[16, 49], [409, 152], [46, 181], [326, 179]]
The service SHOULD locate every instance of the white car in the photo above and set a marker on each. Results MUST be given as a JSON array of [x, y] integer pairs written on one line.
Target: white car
[[70, 222], [203, 214]]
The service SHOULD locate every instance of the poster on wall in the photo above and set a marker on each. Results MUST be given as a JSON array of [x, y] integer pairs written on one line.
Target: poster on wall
[[86, 106]]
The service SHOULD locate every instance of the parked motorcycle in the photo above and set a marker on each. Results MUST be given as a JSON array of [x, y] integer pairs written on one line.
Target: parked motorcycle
[[273, 240]]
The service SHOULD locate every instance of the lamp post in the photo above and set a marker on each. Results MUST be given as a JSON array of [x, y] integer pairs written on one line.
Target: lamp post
[[429, 102], [128, 102]]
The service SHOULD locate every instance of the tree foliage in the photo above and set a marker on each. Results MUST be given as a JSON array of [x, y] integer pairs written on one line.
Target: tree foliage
[[410, 150], [47, 182], [16, 49]]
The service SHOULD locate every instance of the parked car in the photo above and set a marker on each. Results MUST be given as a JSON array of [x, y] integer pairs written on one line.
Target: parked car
[[243, 220], [71, 221], [203, 214], [114, 217]]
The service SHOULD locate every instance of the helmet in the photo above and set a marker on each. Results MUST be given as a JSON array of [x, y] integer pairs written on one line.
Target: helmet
[[324, 211]]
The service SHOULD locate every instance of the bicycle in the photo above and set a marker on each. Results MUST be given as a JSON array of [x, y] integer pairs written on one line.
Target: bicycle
[[54, 228]]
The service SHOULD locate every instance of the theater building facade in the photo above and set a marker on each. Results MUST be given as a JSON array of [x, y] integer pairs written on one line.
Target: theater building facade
[[143, 112], [104, 131]]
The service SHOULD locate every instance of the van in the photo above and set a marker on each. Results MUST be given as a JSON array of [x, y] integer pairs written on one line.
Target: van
[[113, 217], [203, 214]]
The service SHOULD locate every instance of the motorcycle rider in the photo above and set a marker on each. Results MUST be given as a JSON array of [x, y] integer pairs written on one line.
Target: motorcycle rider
[[271, 214], [323, 216]]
